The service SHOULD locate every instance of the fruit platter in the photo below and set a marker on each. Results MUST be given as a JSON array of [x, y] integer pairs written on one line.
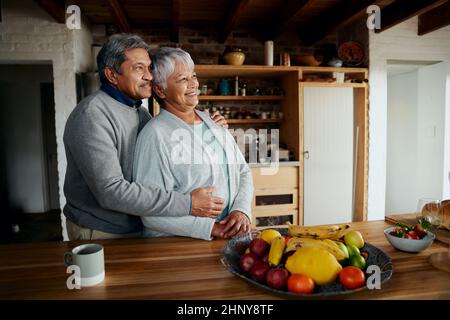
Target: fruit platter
[[304, 262]]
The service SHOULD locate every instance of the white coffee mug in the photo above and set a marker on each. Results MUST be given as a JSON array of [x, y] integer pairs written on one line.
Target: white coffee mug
[[90, 259]]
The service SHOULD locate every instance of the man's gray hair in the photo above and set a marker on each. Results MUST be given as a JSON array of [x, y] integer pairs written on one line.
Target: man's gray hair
[[112, 54], [164, 60]]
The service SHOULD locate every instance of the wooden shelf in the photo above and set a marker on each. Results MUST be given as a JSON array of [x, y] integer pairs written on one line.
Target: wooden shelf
[[333, 84], [250, 121], [309, 70], [240, 98], [246, 71]]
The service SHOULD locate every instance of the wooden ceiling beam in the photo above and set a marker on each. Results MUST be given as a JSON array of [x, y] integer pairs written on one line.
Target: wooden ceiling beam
[[402, 10], [231, 18], [434, 19], [175, 28], [290, 10], [118, 14], [333, 19], [53, 8]]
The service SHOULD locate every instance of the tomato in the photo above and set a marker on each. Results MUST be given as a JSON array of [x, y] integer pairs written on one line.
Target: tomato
[[300, 283], [352, 277], [412, 235]]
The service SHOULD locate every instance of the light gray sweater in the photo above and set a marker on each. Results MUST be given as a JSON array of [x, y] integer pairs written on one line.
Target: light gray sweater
[[171, 156], [100, 138]]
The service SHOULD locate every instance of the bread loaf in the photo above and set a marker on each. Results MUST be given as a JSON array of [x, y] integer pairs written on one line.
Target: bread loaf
[[445, 214]]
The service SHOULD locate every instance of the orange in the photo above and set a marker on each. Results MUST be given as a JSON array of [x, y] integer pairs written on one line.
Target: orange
[[300, 283]]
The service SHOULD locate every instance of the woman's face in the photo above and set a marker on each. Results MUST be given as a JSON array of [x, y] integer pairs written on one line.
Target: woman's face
[[182, 86]]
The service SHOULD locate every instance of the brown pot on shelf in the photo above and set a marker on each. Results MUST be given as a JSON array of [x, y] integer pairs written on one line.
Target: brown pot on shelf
[[234, 57]]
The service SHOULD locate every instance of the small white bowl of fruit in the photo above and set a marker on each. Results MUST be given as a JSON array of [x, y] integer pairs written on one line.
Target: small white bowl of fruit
[[410, 238]]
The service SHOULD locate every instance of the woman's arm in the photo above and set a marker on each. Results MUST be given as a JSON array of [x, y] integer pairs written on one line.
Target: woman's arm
[[189, 226]]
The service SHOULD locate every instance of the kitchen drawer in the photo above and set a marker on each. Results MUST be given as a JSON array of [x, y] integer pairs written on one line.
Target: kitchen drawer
[[286, 177], [279, 218], [277, 197]]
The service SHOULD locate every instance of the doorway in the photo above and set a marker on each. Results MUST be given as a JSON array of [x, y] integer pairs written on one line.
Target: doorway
[[29, 177], [415, 133]]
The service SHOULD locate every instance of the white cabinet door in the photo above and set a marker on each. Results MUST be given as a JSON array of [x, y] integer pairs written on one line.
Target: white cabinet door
[[328, 163]]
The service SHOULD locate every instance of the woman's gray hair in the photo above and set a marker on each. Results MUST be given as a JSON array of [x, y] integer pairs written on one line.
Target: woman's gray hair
[[164, 60], [112, 54]]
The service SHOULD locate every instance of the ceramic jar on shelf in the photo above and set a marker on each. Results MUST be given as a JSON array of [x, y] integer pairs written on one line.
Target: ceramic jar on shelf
[[234, 56]]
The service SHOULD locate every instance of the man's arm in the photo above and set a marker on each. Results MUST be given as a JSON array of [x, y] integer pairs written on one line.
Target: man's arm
[[90, 140], [240, 217], [244, 197]]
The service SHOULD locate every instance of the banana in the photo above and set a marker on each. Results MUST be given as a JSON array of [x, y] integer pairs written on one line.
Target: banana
[[276, 251], [331, 243], [332, 248], [333, 232]]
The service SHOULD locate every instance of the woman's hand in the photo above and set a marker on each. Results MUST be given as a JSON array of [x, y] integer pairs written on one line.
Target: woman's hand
[[204, 204], [235, 223], [219, 119]]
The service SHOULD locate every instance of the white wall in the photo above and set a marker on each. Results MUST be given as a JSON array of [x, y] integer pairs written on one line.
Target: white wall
[[401, 143], [430, 131], [399, 43], [28, 35], [416, 120]]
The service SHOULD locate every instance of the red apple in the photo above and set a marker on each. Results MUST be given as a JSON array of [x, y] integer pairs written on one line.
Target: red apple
[[277, 278], [247, 261], [259, 270], [260, 247]]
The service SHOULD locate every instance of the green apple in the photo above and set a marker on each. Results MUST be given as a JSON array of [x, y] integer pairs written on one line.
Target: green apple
[[343, 248], [357, 261], [354, 238], [352, 250]]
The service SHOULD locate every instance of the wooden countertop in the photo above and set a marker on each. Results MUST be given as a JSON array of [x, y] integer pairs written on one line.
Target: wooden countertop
[[182, 268]]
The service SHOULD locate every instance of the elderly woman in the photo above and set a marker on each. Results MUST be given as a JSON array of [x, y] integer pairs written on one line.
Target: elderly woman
[[182, 149]]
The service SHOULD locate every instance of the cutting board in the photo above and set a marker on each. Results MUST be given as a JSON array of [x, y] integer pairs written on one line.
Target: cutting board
[[441, 234]]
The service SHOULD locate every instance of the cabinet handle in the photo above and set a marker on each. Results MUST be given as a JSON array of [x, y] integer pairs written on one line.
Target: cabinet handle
[[306, 155]]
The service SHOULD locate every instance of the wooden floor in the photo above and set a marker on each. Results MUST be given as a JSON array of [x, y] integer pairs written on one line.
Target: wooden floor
[[33, 227]]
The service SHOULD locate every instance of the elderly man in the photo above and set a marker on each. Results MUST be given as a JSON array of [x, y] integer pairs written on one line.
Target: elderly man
[[100, 138]]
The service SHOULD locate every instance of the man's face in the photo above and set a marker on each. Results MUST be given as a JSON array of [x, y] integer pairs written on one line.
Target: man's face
[[135, 78]]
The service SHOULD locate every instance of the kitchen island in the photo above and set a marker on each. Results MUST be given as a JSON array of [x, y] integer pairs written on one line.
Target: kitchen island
[[182, 268]]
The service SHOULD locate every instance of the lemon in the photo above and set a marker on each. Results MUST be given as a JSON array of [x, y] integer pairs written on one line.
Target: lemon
[[269, 235], [316, 263]]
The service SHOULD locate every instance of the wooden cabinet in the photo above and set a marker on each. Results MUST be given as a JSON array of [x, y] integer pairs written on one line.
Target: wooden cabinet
[[279, 196], [276, 196]]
